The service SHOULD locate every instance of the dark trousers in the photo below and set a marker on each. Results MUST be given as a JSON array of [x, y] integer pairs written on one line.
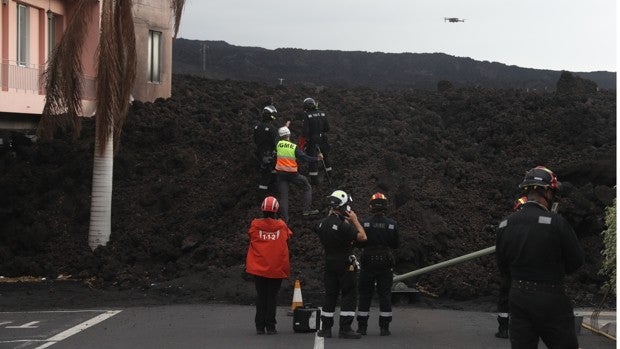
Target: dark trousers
[[266, 295], [504, 291], [548, 316], [314, 166], [266, 175], [284, 180], [341, 283], [383, 278]]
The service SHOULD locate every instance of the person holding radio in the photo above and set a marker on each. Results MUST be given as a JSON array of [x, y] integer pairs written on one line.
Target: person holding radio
[[337, 233]]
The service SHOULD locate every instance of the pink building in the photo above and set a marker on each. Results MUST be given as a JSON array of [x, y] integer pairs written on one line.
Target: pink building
[[30, 29]]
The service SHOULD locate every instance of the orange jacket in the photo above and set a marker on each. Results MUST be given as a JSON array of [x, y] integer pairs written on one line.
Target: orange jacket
[[268, 252]]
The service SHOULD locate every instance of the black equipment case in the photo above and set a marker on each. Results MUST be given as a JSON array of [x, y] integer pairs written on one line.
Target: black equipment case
[[306, 319]]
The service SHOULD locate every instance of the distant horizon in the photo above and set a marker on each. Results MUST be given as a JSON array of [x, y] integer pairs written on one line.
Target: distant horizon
[[568, 35], [396, 53]]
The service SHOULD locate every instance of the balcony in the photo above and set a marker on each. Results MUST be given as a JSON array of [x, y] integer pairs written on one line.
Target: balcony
[[22, 88]]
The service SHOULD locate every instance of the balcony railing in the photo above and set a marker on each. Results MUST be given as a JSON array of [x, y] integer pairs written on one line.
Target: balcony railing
[[31, 79]]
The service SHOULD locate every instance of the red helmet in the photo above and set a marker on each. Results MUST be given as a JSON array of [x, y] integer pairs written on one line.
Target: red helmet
[[270, 204], [378, 202], [540, 176]]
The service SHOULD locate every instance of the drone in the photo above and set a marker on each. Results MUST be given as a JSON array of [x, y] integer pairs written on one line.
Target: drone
[[453, 19]]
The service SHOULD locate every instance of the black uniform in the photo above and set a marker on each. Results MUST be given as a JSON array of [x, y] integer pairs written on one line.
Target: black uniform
[[536, 248], [265, 138], [315, 128], [337, 237], [377, 264]]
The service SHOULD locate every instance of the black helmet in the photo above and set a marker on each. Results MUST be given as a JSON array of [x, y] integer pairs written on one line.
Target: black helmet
[[378, 202], [540, 176], [270, 112], [310, 104]]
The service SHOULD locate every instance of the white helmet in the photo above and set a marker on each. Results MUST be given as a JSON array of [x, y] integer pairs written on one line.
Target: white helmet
[[338, 199], [284, 131]]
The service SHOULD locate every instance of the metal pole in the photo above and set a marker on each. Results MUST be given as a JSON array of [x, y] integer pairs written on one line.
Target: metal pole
[[449, 262], [324, 167]]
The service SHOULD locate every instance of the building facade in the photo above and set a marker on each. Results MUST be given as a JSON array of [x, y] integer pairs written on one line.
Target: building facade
[[29, 31]]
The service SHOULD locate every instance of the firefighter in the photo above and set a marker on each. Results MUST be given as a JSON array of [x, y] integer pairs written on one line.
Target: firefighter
[[266, 138], [503, 318], [287, 172], [535, 249], [337, 233], [268, 261], [377, 263], [314, 137]]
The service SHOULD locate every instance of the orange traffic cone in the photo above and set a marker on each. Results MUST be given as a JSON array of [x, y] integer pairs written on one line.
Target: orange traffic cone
[[297, 299]]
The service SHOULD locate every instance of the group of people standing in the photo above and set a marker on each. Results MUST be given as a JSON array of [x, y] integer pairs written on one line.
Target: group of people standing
[[339, 233], [535, 248], [278, 156]]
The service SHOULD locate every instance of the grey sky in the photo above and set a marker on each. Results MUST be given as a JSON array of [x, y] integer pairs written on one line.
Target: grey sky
[[574, 35]]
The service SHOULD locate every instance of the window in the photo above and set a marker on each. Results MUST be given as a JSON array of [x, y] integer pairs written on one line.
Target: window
[[154, 60], [23, 45]]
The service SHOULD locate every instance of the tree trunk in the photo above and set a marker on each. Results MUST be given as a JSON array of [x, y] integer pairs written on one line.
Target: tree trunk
[[101, 198]]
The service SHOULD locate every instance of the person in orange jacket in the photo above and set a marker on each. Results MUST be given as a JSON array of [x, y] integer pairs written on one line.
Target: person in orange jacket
[[268, 261]]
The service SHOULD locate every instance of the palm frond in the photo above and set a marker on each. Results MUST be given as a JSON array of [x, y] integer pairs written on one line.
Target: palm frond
[[64, 77], [116, 68], [177, 9]]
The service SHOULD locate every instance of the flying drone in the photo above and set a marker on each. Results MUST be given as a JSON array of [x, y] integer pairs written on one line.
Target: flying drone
[[453, 19]]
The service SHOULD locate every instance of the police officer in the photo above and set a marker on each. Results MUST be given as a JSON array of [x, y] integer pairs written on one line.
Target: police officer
[[287, 171], [337, 234], [377, 263], [535, 248], [314, 131], [265, 139]]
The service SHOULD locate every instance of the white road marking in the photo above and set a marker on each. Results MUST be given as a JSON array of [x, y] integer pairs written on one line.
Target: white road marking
[[78, 328], [28, 325]]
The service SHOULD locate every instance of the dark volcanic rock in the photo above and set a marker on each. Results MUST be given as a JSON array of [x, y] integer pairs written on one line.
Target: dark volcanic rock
[[184, 185]]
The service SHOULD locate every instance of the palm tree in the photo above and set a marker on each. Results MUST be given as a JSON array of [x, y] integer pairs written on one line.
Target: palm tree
[[116, 72]]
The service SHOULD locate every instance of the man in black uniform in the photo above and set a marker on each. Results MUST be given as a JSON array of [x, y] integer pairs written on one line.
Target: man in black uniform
[[337, 233], [504, 289], [535, 249], [377, 264], [314, 131], [266, 138]]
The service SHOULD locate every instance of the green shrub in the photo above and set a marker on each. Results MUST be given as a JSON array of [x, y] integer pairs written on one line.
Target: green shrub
[[609, 253]]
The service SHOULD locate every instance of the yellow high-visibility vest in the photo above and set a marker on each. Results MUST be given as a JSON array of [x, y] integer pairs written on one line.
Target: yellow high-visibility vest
[[286, 161]]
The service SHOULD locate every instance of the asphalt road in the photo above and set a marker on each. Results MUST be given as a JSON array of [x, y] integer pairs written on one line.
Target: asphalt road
[[232, 326]]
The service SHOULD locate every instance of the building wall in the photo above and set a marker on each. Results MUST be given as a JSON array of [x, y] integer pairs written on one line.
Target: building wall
[[153, 15], [22, 88]]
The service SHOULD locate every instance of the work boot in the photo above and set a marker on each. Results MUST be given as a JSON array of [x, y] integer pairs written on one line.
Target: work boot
[[325, 333], [385, 331], [502, 333], [349, 334], [502, 329], [311, 212], [361, 329]]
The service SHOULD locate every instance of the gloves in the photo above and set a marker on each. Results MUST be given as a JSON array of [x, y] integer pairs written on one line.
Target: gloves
[[301, 142]]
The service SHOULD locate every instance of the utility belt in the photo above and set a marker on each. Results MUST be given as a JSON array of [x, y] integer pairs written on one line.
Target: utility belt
[[377, 258], [533, 286]]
